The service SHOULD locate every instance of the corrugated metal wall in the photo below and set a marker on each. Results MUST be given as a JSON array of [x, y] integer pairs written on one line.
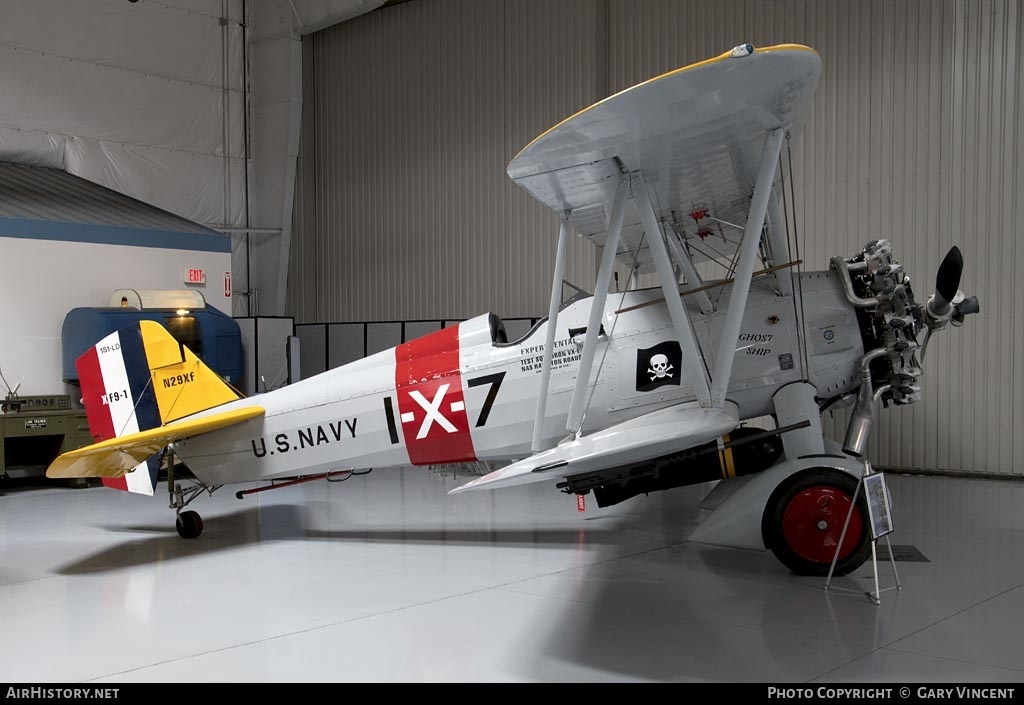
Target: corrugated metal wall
[[405, 211], [916, 134]]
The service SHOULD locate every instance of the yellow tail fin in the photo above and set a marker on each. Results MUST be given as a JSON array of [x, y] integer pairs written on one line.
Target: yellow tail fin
[[182, 384], [134, 382]]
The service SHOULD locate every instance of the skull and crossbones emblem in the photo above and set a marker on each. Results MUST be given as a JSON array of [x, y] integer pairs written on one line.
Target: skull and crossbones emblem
[[660, 368]]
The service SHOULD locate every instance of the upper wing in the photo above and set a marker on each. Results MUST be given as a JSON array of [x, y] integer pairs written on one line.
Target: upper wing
[[649, 436], [696, 134], [117, 456]]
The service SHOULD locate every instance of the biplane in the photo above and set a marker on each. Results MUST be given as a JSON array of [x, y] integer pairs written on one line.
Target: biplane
[[619, 393]]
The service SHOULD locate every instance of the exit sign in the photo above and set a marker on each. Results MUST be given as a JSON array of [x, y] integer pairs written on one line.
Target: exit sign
[[195, 276]]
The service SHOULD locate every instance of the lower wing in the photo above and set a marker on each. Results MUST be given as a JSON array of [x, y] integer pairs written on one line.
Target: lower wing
[[649, 436], [117, 456]]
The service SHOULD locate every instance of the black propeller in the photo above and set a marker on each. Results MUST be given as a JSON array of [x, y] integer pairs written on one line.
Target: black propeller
[[947, 281], [940, 309]]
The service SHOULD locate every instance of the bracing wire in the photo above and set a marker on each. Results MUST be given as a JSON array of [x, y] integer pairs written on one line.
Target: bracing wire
[[792, 275], [801, 334]]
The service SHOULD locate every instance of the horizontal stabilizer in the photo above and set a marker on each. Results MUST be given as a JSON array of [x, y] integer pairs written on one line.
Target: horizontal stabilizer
[[116, 456], [649, 436]]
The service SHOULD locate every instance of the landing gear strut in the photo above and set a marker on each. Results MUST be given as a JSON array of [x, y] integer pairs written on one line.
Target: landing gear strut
[[188, 523]]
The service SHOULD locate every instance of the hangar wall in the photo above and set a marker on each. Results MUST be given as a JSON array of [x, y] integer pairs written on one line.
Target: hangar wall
[[411, 112], [36, 300], [917, 134], [145, 98], [66, 242]]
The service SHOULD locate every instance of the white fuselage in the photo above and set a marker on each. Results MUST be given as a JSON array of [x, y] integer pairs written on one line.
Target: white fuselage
[[460, 394]]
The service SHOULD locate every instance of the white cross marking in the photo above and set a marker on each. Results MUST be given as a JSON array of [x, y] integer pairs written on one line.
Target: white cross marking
[[433, 412]]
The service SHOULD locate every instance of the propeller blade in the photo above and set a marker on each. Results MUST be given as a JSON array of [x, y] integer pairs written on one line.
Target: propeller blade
[[947, 281]]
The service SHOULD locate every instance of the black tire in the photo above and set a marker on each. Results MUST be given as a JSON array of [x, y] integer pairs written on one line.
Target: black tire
[[189, 525], [804, 519]]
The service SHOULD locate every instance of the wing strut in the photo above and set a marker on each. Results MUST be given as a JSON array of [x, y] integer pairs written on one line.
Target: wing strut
[[693, 368], [574, 424], [549, 342], [693, 279], [745, 266]]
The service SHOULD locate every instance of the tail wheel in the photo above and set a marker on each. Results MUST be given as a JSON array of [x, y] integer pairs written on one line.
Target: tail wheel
[[804, 519], [189, 525]]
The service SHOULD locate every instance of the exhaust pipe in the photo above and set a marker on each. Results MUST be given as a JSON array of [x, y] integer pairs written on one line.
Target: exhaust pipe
[[864, 411], [860, 423]]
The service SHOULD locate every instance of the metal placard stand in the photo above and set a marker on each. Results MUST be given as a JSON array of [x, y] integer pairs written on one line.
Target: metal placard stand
[[880, 516]]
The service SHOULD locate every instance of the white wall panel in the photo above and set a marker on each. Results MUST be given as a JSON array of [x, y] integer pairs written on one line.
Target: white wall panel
[[145, 98], [916, 134], [147, 36], [32, 147], [105, 103], [54, 276], [204, 186], [207, 8]]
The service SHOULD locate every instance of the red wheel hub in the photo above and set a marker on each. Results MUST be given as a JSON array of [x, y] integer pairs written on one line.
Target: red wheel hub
[[813, 522]]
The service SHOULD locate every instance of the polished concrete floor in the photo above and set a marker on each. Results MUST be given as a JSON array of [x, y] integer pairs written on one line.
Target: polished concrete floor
[[385, 578]]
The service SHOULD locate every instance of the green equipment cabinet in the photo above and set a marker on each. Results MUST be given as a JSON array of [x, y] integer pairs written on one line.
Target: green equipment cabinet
[[35, 430]]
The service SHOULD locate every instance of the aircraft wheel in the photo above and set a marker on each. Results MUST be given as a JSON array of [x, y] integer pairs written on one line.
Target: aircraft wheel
[[804, 519], [189, 525]]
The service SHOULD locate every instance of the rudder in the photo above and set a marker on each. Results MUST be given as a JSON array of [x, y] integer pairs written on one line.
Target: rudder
[[182, 384], [139, 378]]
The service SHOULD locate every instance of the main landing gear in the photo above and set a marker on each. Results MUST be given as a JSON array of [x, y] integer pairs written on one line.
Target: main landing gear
[[188, 523], [803, 522]]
